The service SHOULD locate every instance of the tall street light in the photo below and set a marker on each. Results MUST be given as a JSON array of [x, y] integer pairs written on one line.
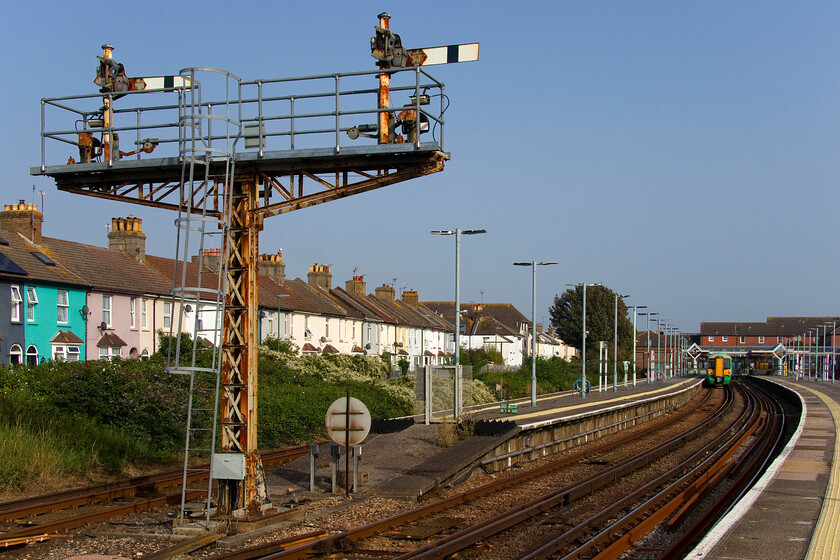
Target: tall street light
[[533, 265], [457, 232], [649, 315], [583, 344], [658, 355], [615, 345], [635, 336]]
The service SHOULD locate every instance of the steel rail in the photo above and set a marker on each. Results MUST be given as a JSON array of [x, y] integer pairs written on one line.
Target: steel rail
[[642, 519], [762, 450], [49, 528], [35, 505], [647, 516], [347, 539], [564, 496]]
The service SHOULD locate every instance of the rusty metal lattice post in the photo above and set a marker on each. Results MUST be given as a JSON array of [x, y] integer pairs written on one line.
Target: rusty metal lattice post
[[239, 351], [384, 98]]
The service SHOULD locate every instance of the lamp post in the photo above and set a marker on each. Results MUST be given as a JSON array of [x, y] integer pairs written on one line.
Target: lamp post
[[635, 335], [675, 356], [824, 353], [583, 344], [457, 232], [659, 323], [649, 361], [533, 265], [833, 360], [615, 345]]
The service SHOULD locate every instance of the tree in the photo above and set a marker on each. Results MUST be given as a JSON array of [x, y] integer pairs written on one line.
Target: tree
[[567, 320]]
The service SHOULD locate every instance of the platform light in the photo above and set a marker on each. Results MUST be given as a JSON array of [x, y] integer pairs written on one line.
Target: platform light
[[534, 265], [583, 344], [457, 232]]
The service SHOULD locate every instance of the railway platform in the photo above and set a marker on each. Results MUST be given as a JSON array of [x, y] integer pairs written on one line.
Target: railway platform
[[412, 462], [793, 512]]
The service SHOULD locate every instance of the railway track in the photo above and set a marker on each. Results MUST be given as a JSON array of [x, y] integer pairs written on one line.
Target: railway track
[[590, 503], [30, 508], [576, 520], [361, 540]]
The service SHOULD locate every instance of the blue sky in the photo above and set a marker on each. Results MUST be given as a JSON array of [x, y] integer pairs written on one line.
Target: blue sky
[[683, 153]]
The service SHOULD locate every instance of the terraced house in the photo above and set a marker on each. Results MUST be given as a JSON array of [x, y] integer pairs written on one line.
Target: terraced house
[[42, 317], [72, 301]]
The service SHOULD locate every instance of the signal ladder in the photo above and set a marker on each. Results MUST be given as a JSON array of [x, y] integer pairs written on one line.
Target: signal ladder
[[207, 141]]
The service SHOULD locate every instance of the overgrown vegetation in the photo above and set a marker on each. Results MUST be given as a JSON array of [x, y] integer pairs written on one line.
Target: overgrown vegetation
[[61, 421], [554, 374], [105, 417], [450, 432]]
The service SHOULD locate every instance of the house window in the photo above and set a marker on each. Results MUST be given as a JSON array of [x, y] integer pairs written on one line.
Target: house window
[[62, 306], [143, 323], [106, 310], [306, 332], [15, 355], [724, 339], [711, 339], [132, 312], [144, 354], [16, 300], [32, 356], [761, 340], [327, 328], [742, 339], [31, 301], [66, 353], [167, 314], [108, 353]]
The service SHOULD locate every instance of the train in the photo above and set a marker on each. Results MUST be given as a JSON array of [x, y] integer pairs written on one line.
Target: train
[[719, 369]]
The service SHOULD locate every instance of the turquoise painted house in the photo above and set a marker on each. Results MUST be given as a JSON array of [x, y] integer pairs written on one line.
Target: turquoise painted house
[[45, 298], [54, 328]]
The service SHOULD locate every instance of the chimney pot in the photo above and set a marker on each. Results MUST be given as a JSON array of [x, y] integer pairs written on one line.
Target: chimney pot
[[127, 235]]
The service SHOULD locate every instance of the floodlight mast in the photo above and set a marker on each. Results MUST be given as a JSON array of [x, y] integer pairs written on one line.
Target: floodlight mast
[[159, 182]]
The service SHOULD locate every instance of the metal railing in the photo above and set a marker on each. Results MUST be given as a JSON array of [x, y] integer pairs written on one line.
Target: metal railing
[[280, 114]]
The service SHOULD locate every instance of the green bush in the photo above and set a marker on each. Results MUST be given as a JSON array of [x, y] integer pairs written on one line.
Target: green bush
[[103, 416], [553, 375], [295, 393]]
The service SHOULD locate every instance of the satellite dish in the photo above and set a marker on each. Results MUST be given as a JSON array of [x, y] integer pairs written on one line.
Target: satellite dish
[[323, 339], [367, 346], [188, 308], [103, 325]]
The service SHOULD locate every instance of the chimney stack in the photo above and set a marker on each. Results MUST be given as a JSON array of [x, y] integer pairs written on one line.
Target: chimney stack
[[384, 292], [22, 218], [211, 259], [320, 276], [357, 285], [410, 297], [272, 266], [127, 235]]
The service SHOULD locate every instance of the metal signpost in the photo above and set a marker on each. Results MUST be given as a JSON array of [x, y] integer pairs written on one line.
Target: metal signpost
[[348, 423]]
